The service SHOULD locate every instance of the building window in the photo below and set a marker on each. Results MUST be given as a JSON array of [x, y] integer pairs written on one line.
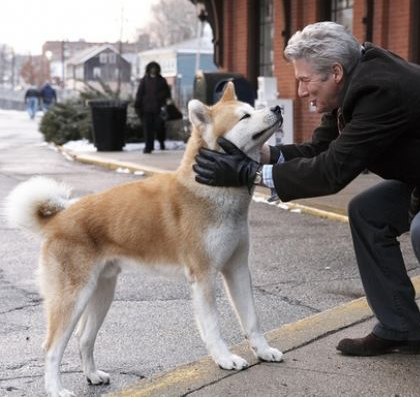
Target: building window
[[342, 13], [266, 64], [103, 58], [112, 58], [96, 73]]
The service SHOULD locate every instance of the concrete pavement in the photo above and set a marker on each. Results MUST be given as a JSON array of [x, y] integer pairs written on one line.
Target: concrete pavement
[[311, 367]]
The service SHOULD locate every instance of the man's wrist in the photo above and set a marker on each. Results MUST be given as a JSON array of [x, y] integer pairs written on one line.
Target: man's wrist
[[258, 176]]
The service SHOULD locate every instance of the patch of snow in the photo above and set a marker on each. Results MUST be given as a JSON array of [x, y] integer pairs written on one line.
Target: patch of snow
[[84, 145], [122, 170]]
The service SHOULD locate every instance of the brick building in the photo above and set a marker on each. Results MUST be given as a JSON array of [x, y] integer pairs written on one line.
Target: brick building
[[250, 36]]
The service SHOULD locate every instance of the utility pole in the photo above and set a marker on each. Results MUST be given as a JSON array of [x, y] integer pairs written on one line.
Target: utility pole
[[201, 19], [120, 51], [63, 59], [12, 74]]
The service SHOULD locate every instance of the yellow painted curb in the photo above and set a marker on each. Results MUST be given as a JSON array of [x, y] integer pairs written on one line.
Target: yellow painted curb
[[303, 208], [111, 164], [289, 337]]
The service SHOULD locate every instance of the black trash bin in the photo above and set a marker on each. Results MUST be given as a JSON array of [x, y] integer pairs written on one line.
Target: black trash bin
[[109, 119], [208, 87], [204, 84], [243, 89]]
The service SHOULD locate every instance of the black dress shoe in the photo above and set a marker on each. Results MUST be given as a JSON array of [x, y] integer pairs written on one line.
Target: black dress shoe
[[372, 345]]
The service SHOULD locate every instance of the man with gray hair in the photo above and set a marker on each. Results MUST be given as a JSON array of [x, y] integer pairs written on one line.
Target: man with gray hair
[[370, 104]]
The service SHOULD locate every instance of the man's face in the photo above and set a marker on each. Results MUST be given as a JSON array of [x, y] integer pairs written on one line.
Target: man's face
[[322, 91]]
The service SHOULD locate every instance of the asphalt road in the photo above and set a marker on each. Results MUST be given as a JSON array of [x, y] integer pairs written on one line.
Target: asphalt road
[[300, 265]]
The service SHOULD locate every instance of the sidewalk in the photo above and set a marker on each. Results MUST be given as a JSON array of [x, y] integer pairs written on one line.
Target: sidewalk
[[163, 161], [311, 366]]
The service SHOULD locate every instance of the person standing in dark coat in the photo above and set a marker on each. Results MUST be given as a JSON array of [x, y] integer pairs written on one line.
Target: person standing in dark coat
[[370, 101], [152, 93]]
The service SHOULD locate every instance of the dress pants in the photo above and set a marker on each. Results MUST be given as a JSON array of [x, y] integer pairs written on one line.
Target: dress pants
[[153, 124], [377, 217]]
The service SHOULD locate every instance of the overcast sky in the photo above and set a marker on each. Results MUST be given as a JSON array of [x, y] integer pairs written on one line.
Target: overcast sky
[[27, 24]]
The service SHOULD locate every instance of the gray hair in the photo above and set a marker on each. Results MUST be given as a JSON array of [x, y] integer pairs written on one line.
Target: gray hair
[[324, 44]]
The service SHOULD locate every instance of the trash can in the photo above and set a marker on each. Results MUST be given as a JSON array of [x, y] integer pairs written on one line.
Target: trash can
[[243, 89], [109, 119], [205, 83]]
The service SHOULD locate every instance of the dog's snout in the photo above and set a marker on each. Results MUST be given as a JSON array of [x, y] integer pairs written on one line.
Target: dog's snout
[[276, 110]]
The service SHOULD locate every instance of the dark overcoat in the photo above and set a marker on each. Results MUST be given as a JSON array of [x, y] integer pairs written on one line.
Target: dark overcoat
[[152, 94], [379, 131]]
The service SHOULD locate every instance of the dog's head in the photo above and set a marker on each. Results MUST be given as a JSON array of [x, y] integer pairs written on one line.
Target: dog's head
[[237, 121]]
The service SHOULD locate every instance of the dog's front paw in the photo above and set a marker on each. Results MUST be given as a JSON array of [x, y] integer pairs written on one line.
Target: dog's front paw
[[232, 362], [98, 378], [270, 354]]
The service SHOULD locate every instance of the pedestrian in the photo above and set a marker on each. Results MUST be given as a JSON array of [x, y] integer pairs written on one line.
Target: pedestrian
[[32, 101], [370, 105], [48, 96], [152, 94]]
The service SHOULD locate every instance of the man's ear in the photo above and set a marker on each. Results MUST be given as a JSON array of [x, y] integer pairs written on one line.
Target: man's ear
[[338, 72], [198, 113]]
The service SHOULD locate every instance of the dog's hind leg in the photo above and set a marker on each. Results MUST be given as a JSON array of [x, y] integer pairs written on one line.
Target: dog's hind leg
[[92, 319], [204, 302], [238, 286], [64, 303]]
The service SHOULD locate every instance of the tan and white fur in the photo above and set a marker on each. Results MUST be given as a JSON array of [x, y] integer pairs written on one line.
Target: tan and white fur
[[167, 220]]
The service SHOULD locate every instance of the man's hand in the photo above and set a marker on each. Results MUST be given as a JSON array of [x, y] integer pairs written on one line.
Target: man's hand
[[233, 168]]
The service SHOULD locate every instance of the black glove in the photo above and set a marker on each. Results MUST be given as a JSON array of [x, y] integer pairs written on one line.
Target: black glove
[[233, 168], [414, 206]]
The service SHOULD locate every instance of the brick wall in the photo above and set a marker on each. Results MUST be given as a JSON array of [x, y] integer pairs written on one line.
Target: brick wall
[[391, 29]]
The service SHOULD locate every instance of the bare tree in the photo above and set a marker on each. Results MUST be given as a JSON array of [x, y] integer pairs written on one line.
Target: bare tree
[[172, 21], [6, 63], [36, 70]]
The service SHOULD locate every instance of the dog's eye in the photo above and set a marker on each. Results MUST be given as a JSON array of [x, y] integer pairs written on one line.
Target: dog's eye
[[245, 116]]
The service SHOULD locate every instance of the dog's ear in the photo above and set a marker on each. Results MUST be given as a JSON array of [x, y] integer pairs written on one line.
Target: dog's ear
[[229, 93], [198, 113]]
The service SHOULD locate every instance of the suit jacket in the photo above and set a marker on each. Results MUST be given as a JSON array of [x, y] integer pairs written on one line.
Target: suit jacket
[[380, 119]]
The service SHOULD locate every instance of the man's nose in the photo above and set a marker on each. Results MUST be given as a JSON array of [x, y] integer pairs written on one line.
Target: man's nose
[[302, 90]]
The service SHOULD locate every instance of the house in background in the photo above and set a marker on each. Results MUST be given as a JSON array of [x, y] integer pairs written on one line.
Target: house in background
[[180, 62], [99, 63], [59, 52], [250, 36]]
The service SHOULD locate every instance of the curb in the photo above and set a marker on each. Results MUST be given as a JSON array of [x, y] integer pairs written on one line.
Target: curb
[[292, 206], [110, 164], [191, 377], [194, 376], [149, 171]]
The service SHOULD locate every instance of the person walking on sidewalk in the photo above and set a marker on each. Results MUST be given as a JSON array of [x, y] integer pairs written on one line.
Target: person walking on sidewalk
[[370, 104], [48, 96], [32, 101], [152, 93]]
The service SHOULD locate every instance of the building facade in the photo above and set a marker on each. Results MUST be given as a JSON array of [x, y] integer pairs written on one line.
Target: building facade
[[249, 37], [95, 64], [179, 64], [59, 53]]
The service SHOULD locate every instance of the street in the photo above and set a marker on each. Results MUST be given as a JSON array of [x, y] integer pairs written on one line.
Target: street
[[300, 265]]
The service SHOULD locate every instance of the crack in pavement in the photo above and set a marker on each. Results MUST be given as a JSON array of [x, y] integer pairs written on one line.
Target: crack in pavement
[[288, 300]]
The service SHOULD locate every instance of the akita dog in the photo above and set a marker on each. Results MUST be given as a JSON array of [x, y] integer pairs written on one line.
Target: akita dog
[[166, 220]]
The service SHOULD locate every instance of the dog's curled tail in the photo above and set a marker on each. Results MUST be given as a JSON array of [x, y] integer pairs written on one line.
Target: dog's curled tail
[[32, 203]]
